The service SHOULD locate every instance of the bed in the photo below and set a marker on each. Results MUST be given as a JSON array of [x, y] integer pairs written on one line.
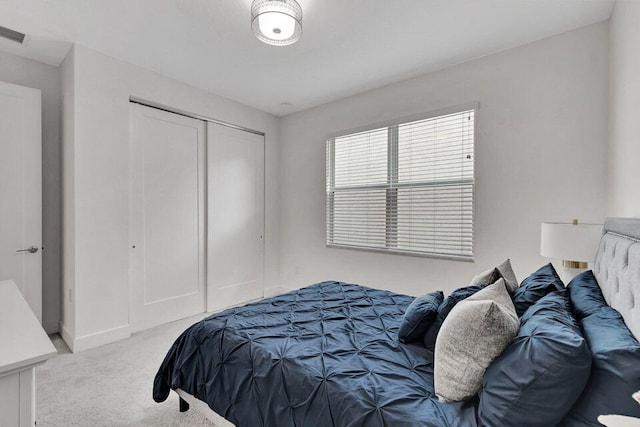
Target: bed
[[329, 355]]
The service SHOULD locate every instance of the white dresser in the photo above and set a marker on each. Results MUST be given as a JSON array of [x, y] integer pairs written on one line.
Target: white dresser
[[23, 346]]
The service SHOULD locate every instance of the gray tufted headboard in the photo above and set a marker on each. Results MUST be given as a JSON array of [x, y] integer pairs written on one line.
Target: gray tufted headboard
[[617, 269]]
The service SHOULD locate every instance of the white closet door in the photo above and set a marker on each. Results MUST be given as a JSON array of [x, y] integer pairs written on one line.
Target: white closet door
[[21, 191], [167, 208], [235, 254]]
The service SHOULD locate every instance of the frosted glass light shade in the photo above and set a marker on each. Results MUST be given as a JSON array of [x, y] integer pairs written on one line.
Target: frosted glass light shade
[[276, 22], [570, 242]]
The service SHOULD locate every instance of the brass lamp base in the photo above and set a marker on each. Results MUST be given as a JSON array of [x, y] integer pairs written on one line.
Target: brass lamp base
[[574, 264]]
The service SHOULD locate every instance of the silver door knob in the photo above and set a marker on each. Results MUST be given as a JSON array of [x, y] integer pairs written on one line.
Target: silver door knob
[[30, 249]]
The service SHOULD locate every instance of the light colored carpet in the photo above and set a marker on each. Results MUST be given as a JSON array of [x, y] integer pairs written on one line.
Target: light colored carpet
[[111, 385]]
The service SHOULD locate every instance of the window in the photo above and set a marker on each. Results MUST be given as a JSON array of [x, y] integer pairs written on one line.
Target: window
[[406, 188]]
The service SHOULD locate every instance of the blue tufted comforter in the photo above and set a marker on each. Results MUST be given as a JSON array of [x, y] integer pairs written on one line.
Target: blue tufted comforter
[[325, 355]]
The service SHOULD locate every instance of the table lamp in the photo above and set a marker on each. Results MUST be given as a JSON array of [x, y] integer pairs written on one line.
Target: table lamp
[[575, 244]]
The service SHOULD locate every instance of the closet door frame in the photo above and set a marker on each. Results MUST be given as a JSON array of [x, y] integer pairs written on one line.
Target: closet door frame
[[210, 301]]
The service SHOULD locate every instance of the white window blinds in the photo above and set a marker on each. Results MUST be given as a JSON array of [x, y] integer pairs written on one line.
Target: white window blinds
[[406, 188]]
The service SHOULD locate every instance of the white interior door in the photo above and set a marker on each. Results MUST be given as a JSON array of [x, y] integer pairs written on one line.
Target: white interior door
[[167, 209], [21, 191], [235, 254]]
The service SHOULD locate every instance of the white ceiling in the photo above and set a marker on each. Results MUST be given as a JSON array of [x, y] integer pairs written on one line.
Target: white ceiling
[[347, 46]]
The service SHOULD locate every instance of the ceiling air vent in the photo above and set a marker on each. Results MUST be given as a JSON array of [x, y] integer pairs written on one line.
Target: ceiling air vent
[[10, 34]]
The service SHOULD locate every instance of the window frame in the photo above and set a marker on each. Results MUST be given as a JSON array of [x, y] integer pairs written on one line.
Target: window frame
[[391, 185]]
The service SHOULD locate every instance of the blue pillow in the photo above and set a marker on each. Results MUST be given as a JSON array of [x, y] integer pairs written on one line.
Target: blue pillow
[[586, 296], [444, 310], [419, 316], [615, 372], [534, 287], [537, 379]]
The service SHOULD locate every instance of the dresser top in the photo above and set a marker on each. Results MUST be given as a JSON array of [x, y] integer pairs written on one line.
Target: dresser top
[[23, 342]]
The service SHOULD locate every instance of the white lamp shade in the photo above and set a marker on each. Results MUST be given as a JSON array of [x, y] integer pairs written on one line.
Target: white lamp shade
[[277, 25], [570, 242]]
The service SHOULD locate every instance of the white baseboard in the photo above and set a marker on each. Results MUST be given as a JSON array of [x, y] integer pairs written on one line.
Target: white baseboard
[[94, 340], [276, 290], [225, 298]]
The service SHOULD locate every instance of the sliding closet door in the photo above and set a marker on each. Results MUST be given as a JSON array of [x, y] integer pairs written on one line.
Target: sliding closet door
[[167, 212], [235, 255]]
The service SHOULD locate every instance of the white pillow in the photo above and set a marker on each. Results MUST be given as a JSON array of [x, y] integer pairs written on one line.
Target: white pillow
[[472, 336], [504, 271]]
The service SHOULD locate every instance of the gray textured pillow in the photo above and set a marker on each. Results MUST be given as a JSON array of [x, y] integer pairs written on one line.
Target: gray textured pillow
[[504, 271], [476, 331]]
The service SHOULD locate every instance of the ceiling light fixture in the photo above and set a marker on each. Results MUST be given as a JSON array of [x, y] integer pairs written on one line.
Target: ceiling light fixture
[[276, 22]]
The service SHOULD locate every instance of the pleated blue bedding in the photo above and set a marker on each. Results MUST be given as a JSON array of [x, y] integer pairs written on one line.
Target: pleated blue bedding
[[325, 355]]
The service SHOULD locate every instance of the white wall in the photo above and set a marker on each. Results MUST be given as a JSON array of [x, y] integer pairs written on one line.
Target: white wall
[[540, 154], [624, 101], [67, 81], [100, 184], [25, 72]]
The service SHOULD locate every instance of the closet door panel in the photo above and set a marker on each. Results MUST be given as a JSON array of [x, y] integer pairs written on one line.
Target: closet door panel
[[167, 217], [236, 216]]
